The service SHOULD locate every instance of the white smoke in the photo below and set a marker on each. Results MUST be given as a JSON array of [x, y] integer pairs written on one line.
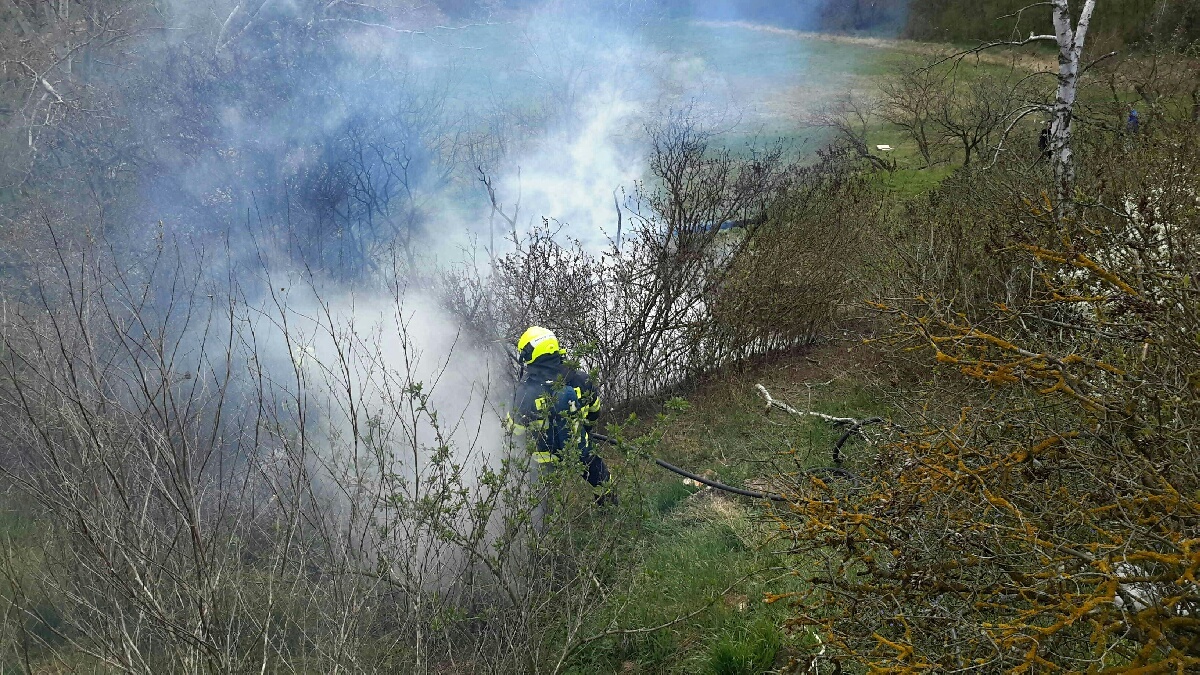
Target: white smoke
[[571, 174], [582, 88], [385, 383]]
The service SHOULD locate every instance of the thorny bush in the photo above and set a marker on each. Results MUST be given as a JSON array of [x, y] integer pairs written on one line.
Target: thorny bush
[[1041, 508]]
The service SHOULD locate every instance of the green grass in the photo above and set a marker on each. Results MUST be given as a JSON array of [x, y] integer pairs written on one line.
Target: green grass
[[911, 181], [665, 496], [702, 548], [750, 649], [698, 545], [728, 430], [22, 554]]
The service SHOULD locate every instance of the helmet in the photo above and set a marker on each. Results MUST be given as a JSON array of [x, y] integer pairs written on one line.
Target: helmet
[[536, 343]]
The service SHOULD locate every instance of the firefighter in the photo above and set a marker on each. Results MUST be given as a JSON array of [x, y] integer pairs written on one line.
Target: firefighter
[[553, 408]]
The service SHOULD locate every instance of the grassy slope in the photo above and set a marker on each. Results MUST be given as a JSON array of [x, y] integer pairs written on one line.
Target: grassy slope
[[703, 543], [700, 544], [709, 556]]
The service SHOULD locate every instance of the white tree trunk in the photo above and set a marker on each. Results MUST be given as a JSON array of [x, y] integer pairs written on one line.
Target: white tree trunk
[[1070, 37]]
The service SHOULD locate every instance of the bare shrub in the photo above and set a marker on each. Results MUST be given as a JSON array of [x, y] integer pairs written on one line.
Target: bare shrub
[[910, 100], [642, 306], [850, 118], [1162, 83], [227, 475], [974, 109], [53, 85], [687, 285], [791, 284]]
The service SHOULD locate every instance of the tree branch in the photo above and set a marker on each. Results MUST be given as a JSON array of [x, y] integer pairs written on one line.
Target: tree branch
[[42, 81], [959, 56]]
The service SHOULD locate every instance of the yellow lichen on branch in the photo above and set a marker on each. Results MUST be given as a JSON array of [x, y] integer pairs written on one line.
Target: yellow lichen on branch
[[1081, 261], [1039, 510]]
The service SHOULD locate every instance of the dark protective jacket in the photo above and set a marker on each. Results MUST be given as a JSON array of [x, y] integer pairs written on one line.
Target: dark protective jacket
[[553, 407]]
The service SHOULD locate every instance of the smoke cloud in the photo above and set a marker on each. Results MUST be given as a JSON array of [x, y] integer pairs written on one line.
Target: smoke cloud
[[346, 142]]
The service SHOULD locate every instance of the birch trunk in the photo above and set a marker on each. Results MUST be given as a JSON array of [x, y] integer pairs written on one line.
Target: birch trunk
[[1070, 37]]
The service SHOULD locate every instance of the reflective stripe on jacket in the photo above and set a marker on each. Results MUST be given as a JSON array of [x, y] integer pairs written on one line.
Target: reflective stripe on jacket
[[555, 405]]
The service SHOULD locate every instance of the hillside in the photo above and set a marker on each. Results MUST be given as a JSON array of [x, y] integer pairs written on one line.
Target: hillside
[[381, 336], [1116, 22]]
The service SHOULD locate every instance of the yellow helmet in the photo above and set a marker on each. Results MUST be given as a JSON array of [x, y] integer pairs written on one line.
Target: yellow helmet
[[536, 343]]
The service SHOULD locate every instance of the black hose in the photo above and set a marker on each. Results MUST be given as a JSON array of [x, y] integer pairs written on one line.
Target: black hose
[[754, 494], [837, 447], [720, 486]]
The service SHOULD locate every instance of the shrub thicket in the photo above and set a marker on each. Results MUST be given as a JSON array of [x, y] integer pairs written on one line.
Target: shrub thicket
[[1039, 506], [722, 257]]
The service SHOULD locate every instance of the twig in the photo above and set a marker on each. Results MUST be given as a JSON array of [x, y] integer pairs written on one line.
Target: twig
[[960, 56], [1024, 111], [1017, 14], [498, 208], [617, 204], [1096, 61], [20, 17], [225, 28]]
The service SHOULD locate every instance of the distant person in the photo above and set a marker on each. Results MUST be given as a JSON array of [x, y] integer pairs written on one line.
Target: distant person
[[1134, 123], [1044, 141], [553, 408]]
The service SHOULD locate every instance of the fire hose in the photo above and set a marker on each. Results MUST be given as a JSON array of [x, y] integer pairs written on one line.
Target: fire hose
[[836, 471]]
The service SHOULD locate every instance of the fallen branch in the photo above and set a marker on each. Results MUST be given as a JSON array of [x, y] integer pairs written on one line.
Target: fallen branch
[[855, 428], [773, 402]]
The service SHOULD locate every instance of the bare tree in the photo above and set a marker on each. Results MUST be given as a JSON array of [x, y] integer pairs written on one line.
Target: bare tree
[[911, 98], [849, 117], [1070, 36], [970, 113], [51, 62]]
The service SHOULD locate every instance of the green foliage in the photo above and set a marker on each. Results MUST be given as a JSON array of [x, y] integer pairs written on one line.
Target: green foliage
[[747, 650], [677, 404]]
